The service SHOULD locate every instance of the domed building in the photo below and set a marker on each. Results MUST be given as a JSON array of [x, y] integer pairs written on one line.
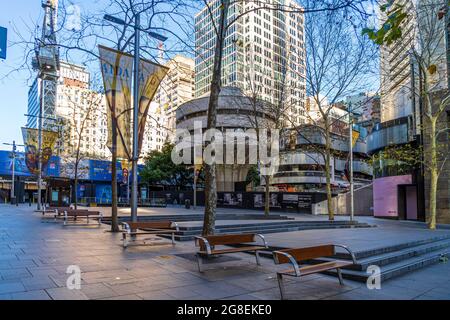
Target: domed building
[[236, 112]]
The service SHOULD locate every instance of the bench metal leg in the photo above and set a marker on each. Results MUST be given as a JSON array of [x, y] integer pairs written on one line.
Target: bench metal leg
[[341, 280], [281, 285], [200, 263], [125, 240], [258, 262], [173, 238]]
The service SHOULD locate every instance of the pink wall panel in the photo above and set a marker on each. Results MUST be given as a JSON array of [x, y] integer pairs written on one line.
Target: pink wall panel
[[385, 195]]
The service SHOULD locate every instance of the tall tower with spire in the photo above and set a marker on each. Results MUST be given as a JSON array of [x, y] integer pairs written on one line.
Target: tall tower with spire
[[46, 63]]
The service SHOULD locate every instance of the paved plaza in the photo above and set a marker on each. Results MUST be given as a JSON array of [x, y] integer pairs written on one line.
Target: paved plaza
[[34, 257]]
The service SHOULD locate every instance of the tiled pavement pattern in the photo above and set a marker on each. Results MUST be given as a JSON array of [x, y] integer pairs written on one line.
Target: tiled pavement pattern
[[34, 257]]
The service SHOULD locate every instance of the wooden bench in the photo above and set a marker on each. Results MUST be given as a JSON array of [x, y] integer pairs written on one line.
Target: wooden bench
[[294, 256], [208, 245], [50, 209], [133, 229], [73, 215]]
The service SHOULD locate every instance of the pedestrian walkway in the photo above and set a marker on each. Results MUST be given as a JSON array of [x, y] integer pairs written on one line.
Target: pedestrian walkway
[[35, 256]]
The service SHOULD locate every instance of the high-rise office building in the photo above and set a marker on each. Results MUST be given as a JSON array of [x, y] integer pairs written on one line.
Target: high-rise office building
[[76, 107], [264, 52], [401, 189], [176, 88]]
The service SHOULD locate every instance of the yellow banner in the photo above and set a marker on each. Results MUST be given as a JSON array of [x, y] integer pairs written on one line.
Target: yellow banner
[[355, 136], [117, 69], [31, 141], [151, 75], [117, 74]]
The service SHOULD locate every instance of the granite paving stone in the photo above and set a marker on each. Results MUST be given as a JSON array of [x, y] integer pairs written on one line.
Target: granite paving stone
[[34, 258]]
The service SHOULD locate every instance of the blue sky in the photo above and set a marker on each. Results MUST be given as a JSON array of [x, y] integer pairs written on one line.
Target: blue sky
[[21, 15], [14, 89]]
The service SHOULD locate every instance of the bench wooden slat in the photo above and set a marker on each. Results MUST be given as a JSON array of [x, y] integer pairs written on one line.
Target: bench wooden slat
[[233, 250], [307, 253], [316, 268], [226, 239], [82, 213], [150, 225], [156, 231]]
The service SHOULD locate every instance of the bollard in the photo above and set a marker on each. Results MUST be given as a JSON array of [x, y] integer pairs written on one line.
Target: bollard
[[187, 204]]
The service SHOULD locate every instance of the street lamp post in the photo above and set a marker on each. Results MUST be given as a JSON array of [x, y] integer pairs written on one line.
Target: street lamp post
[[137, 28], [13, 178], [350, 125], [134, 186]]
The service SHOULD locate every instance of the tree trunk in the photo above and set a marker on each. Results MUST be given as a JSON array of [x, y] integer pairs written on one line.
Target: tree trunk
[[76, 189], [267, 196], [114, 219], [328, 170], [433, 174], [210, 170]]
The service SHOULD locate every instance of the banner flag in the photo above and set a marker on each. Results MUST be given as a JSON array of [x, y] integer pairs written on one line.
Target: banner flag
[[117, 76], [355, 136], [31, 141], [117, 68], [151, 75]]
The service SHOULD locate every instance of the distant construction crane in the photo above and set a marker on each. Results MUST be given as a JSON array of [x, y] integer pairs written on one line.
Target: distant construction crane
[[46, 63]]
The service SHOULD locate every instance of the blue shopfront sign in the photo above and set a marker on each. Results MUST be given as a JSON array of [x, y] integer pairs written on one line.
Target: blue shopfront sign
[[3, 42], [102, 170], [94, 170], [53, 167], [6, 162]]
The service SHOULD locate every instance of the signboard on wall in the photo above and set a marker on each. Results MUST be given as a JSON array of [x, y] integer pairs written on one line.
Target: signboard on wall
[[304, 201], [3, 42]]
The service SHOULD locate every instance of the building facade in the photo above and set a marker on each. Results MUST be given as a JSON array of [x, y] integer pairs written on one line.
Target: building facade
[[264, 53], [401, 188], [176, 88], [235, 113], [79, 112]]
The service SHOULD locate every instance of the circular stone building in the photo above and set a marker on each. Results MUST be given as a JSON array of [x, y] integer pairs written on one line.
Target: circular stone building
[[235, 112]]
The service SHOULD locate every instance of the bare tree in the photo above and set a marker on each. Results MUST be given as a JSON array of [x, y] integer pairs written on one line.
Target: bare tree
[[421, 29], [174, 18], [85, 108], [339, 61], [79, 32]]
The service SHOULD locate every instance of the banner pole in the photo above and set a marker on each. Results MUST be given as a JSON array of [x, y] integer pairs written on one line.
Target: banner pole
[[134, 190], [350, 124], [39, 177]]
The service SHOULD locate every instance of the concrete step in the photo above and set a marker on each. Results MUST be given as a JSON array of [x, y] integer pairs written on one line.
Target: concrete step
[[189, 235], [280, 224], [400, 255], [398, 268], [397, 247], [270, 229], [220, 216]]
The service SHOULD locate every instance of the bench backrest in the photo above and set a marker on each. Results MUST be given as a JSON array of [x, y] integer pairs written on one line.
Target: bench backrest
[[81, 212], [58, 208], [230, 239], [150, 225], [301, 254]]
